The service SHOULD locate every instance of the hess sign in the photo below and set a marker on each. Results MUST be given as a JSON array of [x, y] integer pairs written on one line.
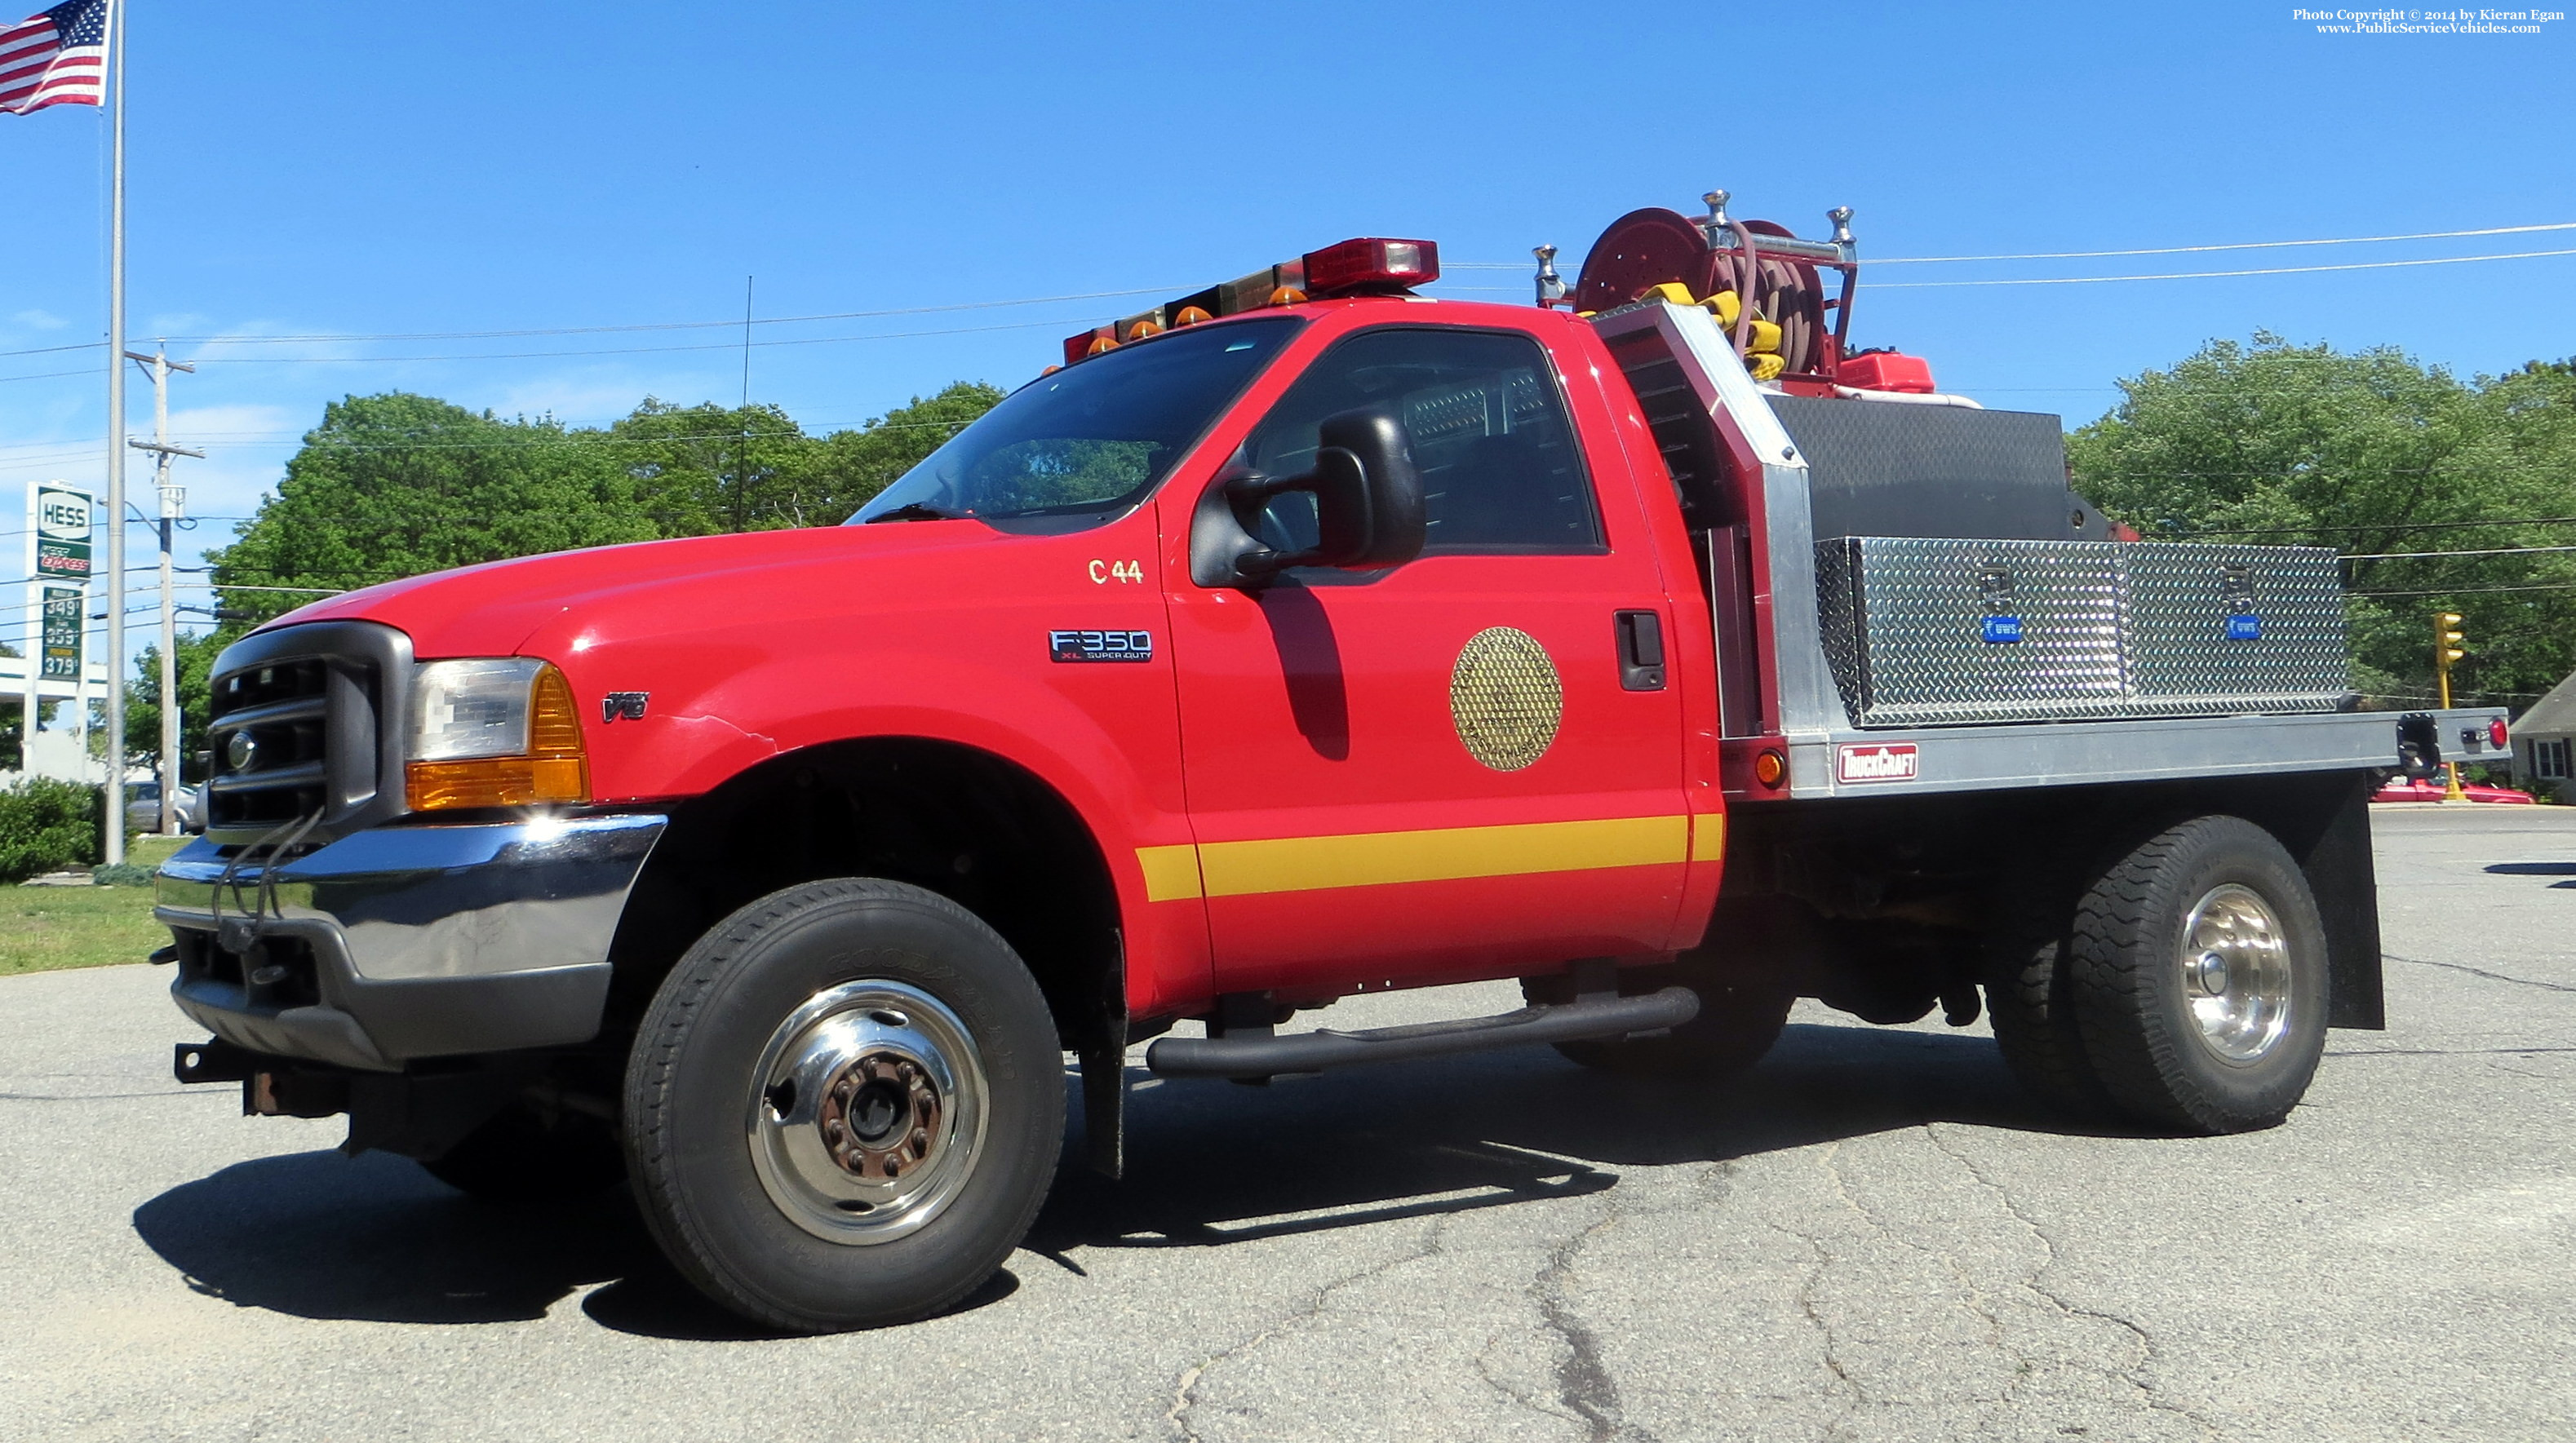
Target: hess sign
[[62, 532]]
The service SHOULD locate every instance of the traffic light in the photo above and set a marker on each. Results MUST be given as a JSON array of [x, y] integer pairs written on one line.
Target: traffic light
[[2447, 648]]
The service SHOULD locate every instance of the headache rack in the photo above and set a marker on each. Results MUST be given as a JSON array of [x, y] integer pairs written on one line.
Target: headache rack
[[1909, 599]]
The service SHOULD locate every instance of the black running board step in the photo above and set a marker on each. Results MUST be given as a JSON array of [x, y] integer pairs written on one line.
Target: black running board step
[[1263, 1055]]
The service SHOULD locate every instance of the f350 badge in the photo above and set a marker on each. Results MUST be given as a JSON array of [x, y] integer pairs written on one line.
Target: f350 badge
[[1101, 645]]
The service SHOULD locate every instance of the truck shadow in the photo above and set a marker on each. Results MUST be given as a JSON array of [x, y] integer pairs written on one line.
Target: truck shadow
[[1214, 1163], [373, 1238]]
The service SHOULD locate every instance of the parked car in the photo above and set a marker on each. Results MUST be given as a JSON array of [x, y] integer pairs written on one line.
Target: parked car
[[2429, 789], [143, 809]]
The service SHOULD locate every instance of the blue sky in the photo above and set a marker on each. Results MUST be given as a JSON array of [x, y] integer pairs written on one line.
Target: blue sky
[[305, 168]]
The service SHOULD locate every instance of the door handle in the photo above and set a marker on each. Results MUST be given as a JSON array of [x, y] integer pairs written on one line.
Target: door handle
[[1641, 650]]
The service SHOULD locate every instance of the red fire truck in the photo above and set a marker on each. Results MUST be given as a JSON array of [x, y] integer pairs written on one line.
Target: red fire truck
[[1300, 637]]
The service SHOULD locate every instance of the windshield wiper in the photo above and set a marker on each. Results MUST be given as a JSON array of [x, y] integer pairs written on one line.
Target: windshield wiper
[[913, 511]]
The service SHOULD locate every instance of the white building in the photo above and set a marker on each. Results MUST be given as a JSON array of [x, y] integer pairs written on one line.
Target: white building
[[2544, 744]]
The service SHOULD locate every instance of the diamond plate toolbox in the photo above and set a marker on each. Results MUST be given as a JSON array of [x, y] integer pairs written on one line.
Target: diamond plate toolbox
[[2219, 629], [1926, 631]]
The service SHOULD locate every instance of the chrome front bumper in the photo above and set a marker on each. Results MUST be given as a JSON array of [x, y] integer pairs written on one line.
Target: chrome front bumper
[[398, 943]]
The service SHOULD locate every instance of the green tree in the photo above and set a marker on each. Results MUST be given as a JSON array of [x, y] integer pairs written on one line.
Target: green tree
[[196, 656], [395, 485], [2369, 453], [849, 467], [704, 469]]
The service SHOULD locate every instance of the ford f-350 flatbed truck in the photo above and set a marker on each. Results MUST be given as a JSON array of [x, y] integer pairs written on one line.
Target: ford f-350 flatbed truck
[[1297, 638]]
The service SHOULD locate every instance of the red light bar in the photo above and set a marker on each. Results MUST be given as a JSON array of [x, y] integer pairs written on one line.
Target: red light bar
[[1371, 264], [1368, 266]]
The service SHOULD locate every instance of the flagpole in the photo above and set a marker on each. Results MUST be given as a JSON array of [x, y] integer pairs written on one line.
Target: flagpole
[[116, 443]]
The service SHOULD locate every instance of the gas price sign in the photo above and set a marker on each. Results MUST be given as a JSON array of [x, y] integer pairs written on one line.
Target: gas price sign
[[63, 632]]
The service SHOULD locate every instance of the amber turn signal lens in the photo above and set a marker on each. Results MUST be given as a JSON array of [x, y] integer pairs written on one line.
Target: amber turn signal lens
[[555, 768], [1769, 768]]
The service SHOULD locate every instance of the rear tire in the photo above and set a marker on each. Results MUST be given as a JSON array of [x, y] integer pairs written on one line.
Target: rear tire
[[2198, 976], [844, 1107], [1736, 1026], [2030, 1001]]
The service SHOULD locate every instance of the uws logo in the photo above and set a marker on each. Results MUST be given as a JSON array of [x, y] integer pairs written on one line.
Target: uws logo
[[63, 515], [1882, 762]]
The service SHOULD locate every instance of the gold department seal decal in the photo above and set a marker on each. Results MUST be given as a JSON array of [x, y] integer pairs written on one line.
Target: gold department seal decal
[[1505, 698]]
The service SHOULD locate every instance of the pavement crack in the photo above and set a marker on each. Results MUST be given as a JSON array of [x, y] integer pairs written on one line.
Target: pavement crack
[[1976, 1304], [1583, 1381], [2482, 972], [1185, 1390], [1829, 1347], [2141, 1376]]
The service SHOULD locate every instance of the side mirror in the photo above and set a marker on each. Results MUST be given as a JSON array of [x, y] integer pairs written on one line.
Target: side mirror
[[1368, 506]]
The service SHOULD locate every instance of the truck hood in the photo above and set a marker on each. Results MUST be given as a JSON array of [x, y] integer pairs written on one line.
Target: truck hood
[[529, 605]]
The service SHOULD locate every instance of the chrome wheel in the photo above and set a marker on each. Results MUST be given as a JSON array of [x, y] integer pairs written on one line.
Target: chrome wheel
[[2236, 973], [867, 1112]]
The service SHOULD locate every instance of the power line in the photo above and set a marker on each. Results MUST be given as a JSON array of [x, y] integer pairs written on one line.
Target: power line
[[2387, 526], [206, 360], [329, 337], [2418, 555], [2211, 275], [2231, 246], [2471, 590]]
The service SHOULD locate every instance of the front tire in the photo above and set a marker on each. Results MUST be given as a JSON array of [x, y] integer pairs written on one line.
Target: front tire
[[2198, 971], [844, 1107]]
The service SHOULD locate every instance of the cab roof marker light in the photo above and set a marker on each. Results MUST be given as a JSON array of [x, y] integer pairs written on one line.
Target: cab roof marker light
[[1371, 264]]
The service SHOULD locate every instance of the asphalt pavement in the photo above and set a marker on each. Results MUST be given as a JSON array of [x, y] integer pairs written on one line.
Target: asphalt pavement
[[1874, 1237]]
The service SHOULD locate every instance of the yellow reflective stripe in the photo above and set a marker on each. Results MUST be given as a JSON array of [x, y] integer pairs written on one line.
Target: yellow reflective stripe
[[1171, 873], [1708, 837], [1373, 859]]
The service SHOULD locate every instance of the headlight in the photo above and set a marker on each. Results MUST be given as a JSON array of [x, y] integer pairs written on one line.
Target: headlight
[[496, 732]]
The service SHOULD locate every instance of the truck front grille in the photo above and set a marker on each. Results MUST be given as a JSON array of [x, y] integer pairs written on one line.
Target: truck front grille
[[296, 730], [271, 762]]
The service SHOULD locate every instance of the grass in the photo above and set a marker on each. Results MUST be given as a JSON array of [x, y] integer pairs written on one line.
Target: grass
[[45, 929]]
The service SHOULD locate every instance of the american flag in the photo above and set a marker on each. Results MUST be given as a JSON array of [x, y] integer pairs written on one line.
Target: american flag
[[55, 57]]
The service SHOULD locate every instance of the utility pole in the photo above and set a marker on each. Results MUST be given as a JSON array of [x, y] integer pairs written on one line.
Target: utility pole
[[174, 502], [742, 417], [115, 840]]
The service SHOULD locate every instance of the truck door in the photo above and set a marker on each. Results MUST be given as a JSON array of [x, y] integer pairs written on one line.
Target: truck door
[[1442, 769]]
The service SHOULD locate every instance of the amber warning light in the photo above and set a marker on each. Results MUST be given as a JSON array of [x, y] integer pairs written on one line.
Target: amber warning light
[[1367, 266]]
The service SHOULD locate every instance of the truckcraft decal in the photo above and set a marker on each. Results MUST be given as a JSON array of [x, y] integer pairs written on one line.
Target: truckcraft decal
[[1884, 762], [1101, 645], [1376, 859], [1505, 698]]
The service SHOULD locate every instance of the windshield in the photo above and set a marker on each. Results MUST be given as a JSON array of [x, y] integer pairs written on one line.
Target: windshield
[[1092, 438]]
